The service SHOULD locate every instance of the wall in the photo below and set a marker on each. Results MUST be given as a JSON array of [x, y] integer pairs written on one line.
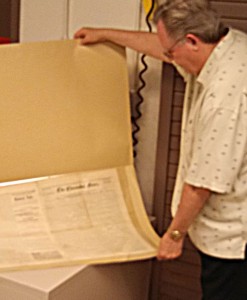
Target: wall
[[146, 149], [59, 19]]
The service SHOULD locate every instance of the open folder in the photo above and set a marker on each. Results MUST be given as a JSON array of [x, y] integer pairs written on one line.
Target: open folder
[[68, 190]]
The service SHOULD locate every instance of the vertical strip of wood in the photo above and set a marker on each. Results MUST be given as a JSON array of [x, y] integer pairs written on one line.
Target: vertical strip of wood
[[14, 20], [161, 170], [4, 18]]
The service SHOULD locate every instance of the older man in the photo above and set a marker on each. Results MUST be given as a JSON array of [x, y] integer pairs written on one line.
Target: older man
[[210, 196]]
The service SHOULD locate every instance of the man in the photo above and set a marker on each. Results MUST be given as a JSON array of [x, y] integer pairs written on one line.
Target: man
[[210, 196]]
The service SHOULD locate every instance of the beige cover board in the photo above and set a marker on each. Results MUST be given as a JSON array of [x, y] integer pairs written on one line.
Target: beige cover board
[[63, 109]]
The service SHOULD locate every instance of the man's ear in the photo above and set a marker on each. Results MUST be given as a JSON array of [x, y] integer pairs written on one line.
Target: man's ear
[[193, 41]]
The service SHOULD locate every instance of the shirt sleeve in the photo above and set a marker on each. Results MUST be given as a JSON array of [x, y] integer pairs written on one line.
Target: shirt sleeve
[[218, 150]]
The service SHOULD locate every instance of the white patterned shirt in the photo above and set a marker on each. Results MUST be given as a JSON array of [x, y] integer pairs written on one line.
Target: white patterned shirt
[[214, 148]]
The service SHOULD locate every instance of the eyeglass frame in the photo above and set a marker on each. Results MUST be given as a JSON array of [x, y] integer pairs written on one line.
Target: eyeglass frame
[[168, 52]]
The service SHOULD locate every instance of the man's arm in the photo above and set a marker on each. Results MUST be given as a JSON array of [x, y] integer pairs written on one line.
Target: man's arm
[[140, 41], [192, 201]]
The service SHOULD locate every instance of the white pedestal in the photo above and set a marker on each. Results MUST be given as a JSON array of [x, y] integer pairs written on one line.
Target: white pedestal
[[126, 281]]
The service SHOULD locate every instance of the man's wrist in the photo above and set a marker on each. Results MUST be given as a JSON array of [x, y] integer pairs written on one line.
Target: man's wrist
[[176, 235]]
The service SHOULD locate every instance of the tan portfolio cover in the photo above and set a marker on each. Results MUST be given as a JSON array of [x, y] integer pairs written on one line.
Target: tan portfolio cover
[[65, 125]]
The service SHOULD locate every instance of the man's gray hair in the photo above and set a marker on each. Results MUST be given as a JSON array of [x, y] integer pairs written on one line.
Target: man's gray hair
[[181, 17]]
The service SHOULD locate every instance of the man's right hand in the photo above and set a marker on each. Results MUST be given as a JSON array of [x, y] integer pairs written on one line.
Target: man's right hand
[[90, 36]]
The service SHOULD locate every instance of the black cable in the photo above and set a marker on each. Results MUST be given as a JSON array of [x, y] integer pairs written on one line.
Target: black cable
[[137, 108]]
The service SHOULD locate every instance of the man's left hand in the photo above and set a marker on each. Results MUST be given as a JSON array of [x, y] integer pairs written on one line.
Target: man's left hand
[[168, 248]]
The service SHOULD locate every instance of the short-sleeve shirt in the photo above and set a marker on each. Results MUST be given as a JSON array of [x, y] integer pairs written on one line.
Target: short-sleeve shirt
[[214, 148]]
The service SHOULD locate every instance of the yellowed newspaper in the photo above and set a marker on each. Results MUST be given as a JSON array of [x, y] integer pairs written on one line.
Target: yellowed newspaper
[[68, 189], [75, 218]]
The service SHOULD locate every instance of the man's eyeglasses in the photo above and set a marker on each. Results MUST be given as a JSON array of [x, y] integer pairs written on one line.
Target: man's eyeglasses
[[169, 51]]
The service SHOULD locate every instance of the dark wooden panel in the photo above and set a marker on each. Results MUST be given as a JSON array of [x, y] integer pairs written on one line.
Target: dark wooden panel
[[9, 19], [15, 20], [173, 157], [177, 113], [5, 16], [178, 99], [238, 24], [236, 11], [233, 13], [170, 184], [175, 143], [233, 2], [178, 293], [179, 85], [176, 128], [172, 170], [163, 150], [174, 273]]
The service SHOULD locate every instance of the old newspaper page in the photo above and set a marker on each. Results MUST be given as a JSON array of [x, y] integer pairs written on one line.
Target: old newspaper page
[[88, 217], [68, 190]]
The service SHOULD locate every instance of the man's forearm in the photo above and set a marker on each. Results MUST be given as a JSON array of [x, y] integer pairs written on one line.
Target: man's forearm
[[144, 42], [140, 41], [192, 201]]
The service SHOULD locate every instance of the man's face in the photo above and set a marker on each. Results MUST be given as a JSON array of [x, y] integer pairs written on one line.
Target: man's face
[[174, 50]]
